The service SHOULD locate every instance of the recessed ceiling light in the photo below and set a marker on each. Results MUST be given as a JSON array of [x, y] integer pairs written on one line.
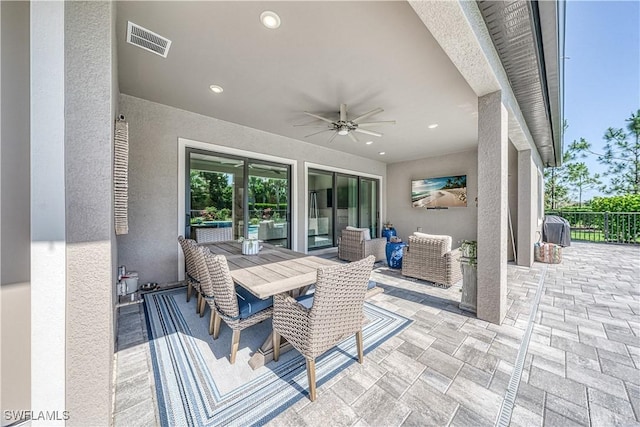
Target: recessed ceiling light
[[433, 126], [270, 19], [369, 142], [216, 89], [382, 153]]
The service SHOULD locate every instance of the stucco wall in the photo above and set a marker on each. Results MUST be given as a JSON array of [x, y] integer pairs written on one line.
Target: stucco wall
[[460, 223], [89, 119], [115, 108], [151, 246], [15, 310], [528, 202]]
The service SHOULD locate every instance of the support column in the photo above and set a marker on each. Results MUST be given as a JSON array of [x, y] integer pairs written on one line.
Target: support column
[[15, 203], [48, 225], [526, 216], [90, 104], [72, 238], [492, 207]]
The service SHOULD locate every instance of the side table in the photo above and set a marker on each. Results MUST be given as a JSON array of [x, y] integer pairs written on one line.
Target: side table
[[394, 252], [388, 233]]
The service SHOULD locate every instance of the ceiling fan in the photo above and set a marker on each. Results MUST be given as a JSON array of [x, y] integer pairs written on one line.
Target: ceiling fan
[[347, 127]]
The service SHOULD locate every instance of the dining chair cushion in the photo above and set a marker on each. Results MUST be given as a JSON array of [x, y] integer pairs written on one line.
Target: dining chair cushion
[[305, 300], [249, 304]]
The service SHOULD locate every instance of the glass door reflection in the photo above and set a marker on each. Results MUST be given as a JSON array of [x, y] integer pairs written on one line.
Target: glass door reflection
[[347, 202], [214, 197], [369, 205], [320, 227], [268, 203]]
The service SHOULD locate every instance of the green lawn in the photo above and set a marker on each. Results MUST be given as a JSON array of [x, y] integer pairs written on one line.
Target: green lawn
[[590, 235]]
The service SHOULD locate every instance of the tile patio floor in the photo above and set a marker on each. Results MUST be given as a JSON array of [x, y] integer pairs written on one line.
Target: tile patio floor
[[582, 366]]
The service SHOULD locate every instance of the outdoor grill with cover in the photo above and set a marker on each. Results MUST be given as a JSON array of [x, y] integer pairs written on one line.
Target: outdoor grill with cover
[[556, 230]]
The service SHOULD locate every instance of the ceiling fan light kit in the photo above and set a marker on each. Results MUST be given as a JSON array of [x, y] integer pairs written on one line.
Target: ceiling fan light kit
[[345, 127]]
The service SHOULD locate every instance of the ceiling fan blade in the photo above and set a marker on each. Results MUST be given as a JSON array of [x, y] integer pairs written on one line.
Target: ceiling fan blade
[[370, 113], [353, 137], [315, 133], [368, 132], [332, 137], [343, 112], [384, 122], [313, 124], [318, 117]]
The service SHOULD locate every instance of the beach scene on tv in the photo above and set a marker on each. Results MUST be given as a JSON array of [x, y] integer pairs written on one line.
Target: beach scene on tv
[[444, 192]]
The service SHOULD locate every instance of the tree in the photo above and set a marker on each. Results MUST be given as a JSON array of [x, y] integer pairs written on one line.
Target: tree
[[556, 182], [621, 156], [556, 191], [210, 189], [219, 189], [578, 176], [256, 189], [199, 191], [556, 194]]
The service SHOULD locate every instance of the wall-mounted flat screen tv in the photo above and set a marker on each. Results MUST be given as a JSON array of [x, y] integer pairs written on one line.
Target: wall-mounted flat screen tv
[[443, 192]]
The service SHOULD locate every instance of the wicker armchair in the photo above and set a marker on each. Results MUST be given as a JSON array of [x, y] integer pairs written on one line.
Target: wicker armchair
[[429, 257], [188, 246], [315, 323], [352, 246], [235, 305]]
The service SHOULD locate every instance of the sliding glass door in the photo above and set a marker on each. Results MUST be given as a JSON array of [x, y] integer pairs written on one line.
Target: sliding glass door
[[347, 206], [228, 197], [214, 205], [369, 205], [343, 200], [269, 203], [320, 227]]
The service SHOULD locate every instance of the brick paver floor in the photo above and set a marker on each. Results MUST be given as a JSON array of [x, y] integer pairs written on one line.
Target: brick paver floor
[[581, 365]]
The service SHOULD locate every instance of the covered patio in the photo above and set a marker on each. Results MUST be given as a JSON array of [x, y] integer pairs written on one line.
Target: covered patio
[[571, 331], [230, 96]]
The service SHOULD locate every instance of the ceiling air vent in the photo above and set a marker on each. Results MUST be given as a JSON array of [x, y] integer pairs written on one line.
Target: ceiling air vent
[[147, 40]]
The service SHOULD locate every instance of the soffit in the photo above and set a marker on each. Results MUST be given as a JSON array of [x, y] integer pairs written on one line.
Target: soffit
[[516, 33]]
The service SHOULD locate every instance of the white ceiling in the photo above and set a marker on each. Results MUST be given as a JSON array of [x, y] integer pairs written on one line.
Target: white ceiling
[[364, 54]]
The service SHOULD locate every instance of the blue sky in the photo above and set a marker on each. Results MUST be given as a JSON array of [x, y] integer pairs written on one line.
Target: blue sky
[[602, 74]]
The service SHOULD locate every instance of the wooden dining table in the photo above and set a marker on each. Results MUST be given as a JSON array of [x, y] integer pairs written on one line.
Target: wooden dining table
[[272, 271]]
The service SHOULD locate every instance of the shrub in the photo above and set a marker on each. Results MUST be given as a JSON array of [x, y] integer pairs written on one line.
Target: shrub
[[627, 203], [211, 213], [618, 217], [620, 227], [224, 214]]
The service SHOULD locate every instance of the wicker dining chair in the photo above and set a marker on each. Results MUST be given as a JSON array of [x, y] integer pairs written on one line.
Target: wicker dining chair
[[353, 246], [235, 305], [314, 324], [187, 246]]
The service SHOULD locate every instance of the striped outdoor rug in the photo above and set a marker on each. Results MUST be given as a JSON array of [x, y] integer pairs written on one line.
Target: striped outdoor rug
[[196, 385]]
